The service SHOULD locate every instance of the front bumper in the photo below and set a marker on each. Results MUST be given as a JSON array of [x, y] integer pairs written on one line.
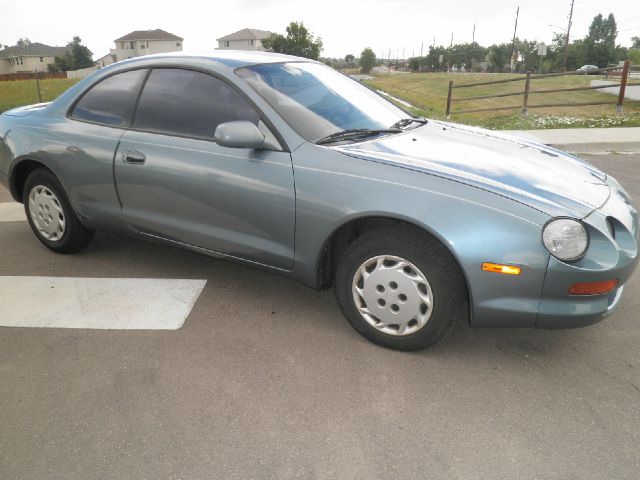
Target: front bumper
[[612, 254]]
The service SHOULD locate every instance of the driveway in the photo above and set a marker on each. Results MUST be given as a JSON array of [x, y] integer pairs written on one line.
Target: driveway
[[265, 379]]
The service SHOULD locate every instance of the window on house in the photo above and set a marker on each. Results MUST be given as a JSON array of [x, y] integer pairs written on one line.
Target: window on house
[[190, 104], [142, 45], [226, 44], [41, 59], [178, 44], [111, 101], [132, 45], [251, 42]]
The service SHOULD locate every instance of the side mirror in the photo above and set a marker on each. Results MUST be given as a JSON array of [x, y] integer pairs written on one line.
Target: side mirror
[[240, 134]]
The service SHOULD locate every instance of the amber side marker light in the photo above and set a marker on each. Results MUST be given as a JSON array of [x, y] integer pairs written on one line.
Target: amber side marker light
[[499, 268], [592, 288]]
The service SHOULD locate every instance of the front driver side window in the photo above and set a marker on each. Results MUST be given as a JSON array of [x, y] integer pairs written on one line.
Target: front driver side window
[[189, 103]]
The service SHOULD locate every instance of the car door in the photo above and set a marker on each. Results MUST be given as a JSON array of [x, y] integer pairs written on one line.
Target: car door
[[176, 183], [80, 148]]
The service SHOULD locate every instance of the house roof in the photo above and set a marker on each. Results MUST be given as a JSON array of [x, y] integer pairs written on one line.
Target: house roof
[[108, 55], [34, 49], [247, 34], [156, 34]]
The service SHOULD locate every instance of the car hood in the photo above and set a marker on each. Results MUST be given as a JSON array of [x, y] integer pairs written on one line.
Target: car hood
[[549, 180]]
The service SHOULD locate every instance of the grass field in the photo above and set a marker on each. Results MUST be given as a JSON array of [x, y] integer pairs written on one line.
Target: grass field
[[428, 93], [25, 92]]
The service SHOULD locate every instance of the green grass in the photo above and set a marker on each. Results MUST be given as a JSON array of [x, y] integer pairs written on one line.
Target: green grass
[[428, 93], [24, 92]]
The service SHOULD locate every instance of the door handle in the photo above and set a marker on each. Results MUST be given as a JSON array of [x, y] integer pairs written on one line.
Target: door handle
[[134, 157]]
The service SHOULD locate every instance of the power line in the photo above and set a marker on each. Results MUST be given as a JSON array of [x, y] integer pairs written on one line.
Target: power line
[[627, 19]]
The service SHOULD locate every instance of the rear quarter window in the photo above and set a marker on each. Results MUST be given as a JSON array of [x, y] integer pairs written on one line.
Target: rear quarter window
[[112, 101]]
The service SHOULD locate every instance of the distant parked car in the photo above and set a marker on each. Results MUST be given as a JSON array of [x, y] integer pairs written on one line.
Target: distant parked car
[[589, 69], [285, 164]]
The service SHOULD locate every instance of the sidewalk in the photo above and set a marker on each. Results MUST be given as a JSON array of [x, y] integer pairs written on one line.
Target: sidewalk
[[586, 140]]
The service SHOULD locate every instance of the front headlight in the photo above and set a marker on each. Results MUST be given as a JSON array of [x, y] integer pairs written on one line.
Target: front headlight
[[565, 238]]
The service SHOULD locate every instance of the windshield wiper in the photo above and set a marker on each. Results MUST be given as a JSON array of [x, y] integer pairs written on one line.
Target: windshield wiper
[[408, 121], [355, 133]]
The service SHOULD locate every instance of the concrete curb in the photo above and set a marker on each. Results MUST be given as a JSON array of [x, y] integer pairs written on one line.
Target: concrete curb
[[586, 140], [602, 148]]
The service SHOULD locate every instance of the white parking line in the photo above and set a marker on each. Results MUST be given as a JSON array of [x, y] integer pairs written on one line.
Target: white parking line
[[12, 212], [97, 303]]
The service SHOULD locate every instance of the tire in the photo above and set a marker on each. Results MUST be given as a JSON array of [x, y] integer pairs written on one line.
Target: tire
[[45, 200], [433, 306]]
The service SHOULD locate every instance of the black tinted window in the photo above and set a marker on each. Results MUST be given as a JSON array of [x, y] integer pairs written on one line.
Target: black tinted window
[[112, 100], [188, 103]]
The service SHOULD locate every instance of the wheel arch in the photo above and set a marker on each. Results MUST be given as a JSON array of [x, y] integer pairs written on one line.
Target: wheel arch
[[19, 173], [344, 234]]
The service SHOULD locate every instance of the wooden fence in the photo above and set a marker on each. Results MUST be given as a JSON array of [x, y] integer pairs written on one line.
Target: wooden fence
[[528, 78], [9, 77]]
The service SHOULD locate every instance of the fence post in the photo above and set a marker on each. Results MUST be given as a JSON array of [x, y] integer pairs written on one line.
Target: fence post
[[525, 101], [38, 87], [623, 87], [448, 113]]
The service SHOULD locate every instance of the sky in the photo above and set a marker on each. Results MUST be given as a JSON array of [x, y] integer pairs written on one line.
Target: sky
[[345, 26]]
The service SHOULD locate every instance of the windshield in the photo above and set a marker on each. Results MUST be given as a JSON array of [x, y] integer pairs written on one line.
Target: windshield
[[317, 100]]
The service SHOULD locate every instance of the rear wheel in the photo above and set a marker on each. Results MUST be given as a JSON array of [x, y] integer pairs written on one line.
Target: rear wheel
[[50, 214], [400, 288]]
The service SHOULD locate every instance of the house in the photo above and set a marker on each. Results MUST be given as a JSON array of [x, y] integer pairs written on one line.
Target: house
[[105, 60], [245, 39], [30, 58], [143, 42]]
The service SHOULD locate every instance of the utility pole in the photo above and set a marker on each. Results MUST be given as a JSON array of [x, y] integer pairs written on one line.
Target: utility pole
[[420, 64], [513, 42], [473, 37], [566, 40], [451, 46]]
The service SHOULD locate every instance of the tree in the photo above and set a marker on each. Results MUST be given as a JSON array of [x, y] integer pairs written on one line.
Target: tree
[[82, 56], [635, 42], [600, 44], [467, 54], [432, 61], [498, 57], [367, 60], [349, 60], [23, 42], [299, 41], [634, 56], [76, 57]]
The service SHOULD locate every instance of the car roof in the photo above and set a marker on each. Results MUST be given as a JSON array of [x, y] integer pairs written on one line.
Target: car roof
[[229, 58]]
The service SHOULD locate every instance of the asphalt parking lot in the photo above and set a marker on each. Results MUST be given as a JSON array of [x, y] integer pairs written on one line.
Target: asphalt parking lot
[[267, 380]]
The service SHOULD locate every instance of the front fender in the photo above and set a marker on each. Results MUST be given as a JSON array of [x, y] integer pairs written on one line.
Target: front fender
[[477, 226]]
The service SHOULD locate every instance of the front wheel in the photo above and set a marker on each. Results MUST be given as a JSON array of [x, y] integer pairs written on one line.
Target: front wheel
[[400, 288], [50, 214]]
